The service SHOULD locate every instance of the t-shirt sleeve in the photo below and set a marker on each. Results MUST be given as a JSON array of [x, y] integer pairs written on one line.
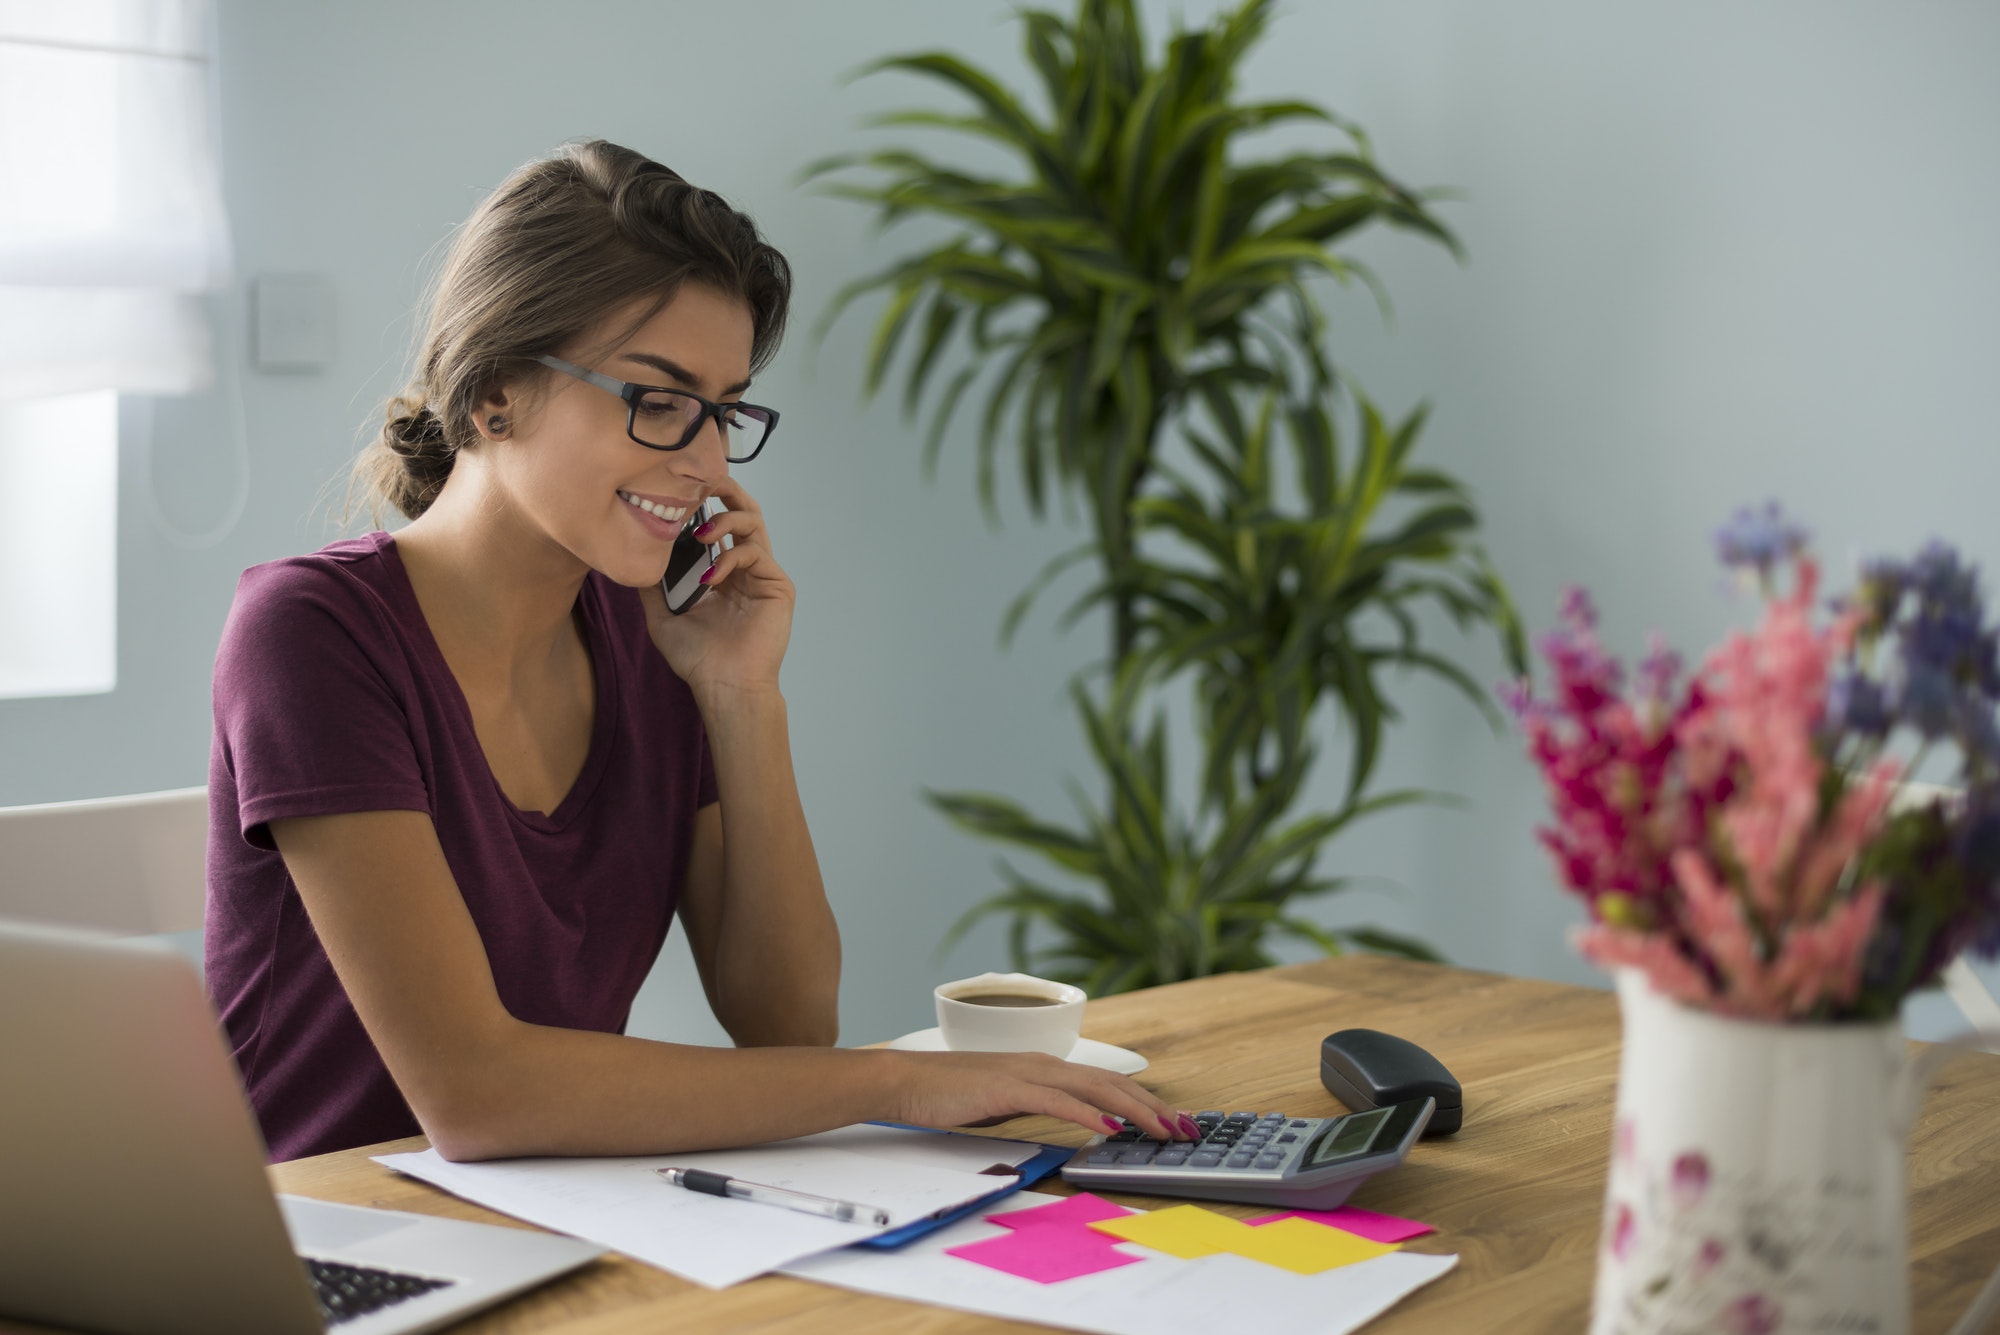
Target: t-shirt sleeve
[[308, 711]]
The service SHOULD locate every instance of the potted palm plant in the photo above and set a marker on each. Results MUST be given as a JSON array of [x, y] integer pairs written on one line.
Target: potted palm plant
[[1137, 310]]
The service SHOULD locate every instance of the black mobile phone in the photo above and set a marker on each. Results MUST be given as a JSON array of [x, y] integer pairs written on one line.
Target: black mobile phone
[[690, 560]]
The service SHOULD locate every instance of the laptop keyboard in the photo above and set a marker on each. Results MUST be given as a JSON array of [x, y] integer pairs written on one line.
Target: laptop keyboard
[[349, 1291]]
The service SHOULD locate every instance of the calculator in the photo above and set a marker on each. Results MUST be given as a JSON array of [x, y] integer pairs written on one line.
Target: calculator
[[1302, 1163]]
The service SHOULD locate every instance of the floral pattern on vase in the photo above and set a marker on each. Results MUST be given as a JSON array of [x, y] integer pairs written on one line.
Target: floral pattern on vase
[[1757, 1180]]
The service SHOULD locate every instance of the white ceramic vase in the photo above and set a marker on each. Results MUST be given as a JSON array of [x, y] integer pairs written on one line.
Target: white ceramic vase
[[1757, 1175]]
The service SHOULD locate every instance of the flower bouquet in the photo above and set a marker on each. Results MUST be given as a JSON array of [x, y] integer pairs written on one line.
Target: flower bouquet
[[1768, 886]]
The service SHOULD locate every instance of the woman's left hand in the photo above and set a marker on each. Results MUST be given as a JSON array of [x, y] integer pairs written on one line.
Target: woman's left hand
[[735, 636]]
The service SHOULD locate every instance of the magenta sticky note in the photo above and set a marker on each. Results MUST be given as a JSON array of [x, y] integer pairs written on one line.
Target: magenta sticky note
[[1075, 1211], [1362, 1223], [1046, 1255]]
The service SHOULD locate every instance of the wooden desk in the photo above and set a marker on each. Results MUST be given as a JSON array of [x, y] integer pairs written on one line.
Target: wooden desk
[[1516, 1194]]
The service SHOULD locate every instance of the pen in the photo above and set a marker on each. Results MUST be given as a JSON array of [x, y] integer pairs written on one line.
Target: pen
[[715, 1184]]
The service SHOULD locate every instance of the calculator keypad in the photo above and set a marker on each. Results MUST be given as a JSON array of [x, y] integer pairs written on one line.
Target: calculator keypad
[[1236, 1142]]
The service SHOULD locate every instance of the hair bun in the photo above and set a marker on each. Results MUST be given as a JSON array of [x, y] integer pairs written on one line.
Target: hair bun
[[412, 430]]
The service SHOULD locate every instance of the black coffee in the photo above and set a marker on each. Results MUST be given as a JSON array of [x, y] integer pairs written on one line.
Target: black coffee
[[1006, 999]]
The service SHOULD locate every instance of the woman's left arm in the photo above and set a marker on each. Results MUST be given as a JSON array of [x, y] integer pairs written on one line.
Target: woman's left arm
[[755, 909], [758, 924]]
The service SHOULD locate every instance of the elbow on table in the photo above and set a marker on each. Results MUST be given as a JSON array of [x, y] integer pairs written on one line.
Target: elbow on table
[[468, 1127], [490, 1104]]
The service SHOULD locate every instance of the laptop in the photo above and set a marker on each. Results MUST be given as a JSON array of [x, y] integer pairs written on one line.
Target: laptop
[[133, 1194]]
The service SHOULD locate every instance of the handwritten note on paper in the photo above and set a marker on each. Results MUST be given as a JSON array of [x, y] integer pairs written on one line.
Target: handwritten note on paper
[[1362, 1223]]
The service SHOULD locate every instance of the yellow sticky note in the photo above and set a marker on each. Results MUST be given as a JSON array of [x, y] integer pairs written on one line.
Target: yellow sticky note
[[1303, 1247], [1186, 1231]]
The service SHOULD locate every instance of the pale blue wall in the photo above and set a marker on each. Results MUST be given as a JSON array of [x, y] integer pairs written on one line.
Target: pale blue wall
[[1717, 253]]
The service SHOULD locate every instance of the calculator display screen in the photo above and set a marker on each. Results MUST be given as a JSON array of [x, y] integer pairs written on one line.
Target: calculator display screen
[[1346, 1137]]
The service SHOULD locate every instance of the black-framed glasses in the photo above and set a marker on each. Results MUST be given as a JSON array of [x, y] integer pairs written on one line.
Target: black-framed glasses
[[667, 419]]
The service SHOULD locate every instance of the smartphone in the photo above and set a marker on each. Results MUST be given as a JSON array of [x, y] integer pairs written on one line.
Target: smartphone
[[690, 560]]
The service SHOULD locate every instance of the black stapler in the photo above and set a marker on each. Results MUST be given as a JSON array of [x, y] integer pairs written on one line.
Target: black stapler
[[1365, 1068]]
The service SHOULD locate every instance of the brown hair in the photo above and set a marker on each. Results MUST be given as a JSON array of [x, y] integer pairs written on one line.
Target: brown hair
[[563, 242]]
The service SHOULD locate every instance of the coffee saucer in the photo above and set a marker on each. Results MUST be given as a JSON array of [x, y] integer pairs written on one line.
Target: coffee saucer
[[1088, 1051]]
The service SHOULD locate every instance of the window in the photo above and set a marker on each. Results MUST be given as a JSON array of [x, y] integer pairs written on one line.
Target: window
[[59, 544], [111, 229]]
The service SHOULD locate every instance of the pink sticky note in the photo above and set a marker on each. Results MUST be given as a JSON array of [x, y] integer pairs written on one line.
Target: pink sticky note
[[1074, 1211], [1362, 1223], [1046, 1254]]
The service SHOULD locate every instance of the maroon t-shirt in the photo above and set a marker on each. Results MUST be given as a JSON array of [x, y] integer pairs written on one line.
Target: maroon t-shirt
[[331, 696]]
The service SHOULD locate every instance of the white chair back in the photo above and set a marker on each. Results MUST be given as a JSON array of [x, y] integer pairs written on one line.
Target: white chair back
[[134, 865]]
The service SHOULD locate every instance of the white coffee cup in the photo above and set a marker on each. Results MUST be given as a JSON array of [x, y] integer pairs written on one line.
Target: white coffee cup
[[1048, 1022]]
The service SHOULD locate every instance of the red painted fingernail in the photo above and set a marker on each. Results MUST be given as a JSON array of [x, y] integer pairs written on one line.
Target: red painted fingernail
[[708, 575], [705, 529], [1189, 1125], [1113, 1123]]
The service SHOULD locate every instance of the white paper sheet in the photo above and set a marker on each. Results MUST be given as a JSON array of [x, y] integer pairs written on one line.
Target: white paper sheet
[[619, 1203], [1163, 1296]]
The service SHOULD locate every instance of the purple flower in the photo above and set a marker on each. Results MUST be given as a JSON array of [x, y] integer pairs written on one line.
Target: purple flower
[[1658, 671], [1941, 578], [1576, 609], [1977, 735], [1925, 700], [1856, 703], [1690, 1179], [1752, 1314], [1758, 540]]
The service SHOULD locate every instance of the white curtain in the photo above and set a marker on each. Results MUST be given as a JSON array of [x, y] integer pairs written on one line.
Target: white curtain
[[111, 219]]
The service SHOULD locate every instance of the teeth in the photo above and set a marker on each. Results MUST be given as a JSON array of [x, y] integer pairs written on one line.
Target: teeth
[[671, 514]]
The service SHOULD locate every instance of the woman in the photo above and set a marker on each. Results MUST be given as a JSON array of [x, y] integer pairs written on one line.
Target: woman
[[464, 777]]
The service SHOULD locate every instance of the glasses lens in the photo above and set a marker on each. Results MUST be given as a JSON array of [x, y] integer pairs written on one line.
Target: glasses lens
[[744, 429], [662, 418]]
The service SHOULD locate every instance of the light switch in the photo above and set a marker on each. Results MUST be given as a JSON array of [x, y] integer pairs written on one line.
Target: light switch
[[291, 322]]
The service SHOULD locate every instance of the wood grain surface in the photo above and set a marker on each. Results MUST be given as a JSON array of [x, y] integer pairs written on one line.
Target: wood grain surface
[[1516, 1194]]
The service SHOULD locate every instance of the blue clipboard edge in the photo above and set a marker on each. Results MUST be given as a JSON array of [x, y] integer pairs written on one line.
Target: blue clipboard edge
[[1047, 1159]]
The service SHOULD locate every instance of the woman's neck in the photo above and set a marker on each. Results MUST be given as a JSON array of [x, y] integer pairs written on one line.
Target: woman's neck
[[492, 585]]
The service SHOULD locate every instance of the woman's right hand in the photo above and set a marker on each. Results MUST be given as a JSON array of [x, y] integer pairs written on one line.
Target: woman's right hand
[[950, 1089]]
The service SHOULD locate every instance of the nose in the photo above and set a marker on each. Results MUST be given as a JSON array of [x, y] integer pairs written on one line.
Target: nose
[[705, 459]]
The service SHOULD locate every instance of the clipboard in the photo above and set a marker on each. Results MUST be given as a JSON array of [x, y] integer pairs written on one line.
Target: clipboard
[[1047, 1159]]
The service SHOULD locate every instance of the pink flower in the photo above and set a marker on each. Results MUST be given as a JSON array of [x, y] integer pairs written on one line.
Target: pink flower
[[1690, 1179], [1624, 1230], [1704, 827], [1709, 1257], [1752, 1314], [1661, 959]]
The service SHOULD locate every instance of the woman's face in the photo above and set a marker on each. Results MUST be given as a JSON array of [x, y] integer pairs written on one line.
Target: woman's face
[[572, 470]]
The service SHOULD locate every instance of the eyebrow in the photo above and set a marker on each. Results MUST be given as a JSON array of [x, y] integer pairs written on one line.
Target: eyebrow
[[677, 371]]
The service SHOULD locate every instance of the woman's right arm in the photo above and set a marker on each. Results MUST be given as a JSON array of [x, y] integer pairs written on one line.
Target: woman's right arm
[[485, 1085]]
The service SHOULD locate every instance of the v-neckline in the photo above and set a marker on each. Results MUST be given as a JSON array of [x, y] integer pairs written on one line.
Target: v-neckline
[[603, 672]]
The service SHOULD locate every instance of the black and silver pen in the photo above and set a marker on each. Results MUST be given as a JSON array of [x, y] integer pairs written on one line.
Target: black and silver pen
[[716, 1184]]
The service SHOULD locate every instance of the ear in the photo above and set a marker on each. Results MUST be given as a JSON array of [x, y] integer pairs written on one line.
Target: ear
[[493, 417]]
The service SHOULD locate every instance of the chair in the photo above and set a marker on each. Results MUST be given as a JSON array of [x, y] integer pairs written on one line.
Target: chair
[[133, 865]]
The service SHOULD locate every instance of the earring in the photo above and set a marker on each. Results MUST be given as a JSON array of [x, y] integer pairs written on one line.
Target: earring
[[496, 424]]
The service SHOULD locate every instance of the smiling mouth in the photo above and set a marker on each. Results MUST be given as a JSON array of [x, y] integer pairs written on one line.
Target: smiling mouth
[[672, 514]]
